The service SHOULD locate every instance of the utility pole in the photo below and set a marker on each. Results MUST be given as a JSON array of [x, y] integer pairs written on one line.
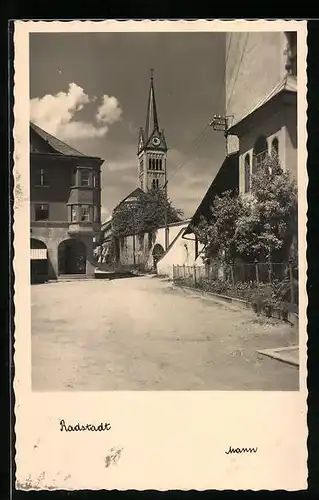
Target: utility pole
[[133, 221], [220, 124], [132, 202], [165, 216]]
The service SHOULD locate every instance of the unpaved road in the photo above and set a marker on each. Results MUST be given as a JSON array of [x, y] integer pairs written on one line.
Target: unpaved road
[[141, 334]]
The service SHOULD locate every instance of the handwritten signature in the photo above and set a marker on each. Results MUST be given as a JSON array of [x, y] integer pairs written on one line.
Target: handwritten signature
[[241, 450]]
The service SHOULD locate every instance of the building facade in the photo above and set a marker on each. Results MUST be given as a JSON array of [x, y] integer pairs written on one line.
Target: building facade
[[152, 149], [261, 100], [65, 207], [261, 113]]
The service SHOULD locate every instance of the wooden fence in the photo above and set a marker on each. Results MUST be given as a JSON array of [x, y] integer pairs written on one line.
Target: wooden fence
[[255, 274]]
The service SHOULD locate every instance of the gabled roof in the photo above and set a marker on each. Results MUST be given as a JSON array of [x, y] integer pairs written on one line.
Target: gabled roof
[[136, 193], [162, 145], [56, 144], [288, 84], [106, 224], [227, 178]]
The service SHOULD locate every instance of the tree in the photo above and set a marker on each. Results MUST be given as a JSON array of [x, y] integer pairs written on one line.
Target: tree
[[146, 214], [218, 232], [267, 229], [261, 226]]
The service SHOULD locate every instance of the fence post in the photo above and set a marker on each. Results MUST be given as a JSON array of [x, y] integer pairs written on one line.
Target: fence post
[[257, 271], [291, 284], [269, 272], [195, 275], [184, 272], [232, 275]]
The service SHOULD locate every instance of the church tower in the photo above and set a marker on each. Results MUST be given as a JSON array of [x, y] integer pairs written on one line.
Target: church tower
[[152, 148]]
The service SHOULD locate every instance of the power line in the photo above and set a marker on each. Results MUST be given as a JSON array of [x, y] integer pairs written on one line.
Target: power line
[[196, 145], [228, 48], [193, 145], [235, 80]]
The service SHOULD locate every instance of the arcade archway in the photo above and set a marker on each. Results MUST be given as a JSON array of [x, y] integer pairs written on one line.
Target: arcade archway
[[157, 253], [72, 257], [38, 261]]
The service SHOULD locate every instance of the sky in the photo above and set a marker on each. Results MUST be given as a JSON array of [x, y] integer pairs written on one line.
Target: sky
[[91, 90]]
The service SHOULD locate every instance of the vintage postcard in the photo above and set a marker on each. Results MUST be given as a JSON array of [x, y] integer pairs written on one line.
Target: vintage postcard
[[160, 266]]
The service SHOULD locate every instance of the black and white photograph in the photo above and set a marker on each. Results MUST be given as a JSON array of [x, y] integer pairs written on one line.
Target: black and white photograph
[[163, 207], [164, 202]]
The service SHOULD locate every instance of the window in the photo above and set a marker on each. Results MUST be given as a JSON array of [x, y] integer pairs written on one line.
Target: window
[[85, 213], [95, 213], [275, 147], [73, 214], [84, 178], [73, 180], [260, 153], [95, 180], [41, 212], [42, 177], [153, 184], [160, 164], [157, 183], [247, 173]]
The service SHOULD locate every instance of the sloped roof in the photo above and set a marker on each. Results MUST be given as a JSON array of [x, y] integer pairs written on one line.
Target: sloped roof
[[151, 123], [59, 146], [136, 192], [227, 178], [288, 84]]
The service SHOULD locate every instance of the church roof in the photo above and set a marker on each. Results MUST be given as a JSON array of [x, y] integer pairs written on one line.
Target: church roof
[[56, 144], [135, 193], [151, 123]]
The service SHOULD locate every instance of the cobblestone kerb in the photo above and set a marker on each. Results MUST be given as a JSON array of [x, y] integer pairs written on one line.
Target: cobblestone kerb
[[292, 317]]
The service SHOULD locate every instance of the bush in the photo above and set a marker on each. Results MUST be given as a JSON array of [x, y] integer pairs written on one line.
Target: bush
[[270, 299]]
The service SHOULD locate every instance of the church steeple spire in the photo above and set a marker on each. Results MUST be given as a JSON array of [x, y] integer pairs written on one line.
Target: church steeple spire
[[151, 123], [152, 148]]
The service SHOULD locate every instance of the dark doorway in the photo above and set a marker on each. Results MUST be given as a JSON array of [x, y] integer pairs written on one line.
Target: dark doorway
[[38, 261], [157, 253], [72, 257]]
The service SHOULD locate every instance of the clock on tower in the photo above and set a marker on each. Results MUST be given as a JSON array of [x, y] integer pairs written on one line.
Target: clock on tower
[[152, 148]]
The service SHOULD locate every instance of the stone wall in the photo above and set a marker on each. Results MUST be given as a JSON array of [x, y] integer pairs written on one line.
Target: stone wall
[[145, 243]]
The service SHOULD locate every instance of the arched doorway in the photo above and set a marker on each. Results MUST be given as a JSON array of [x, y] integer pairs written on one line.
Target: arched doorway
[[157, 253], [72, 257], [38, 261]]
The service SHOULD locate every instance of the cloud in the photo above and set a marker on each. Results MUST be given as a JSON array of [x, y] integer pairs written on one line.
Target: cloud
[[55, 113], [109, 111]]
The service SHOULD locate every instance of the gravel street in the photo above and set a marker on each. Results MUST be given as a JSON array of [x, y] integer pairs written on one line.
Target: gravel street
[[140, 333]]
